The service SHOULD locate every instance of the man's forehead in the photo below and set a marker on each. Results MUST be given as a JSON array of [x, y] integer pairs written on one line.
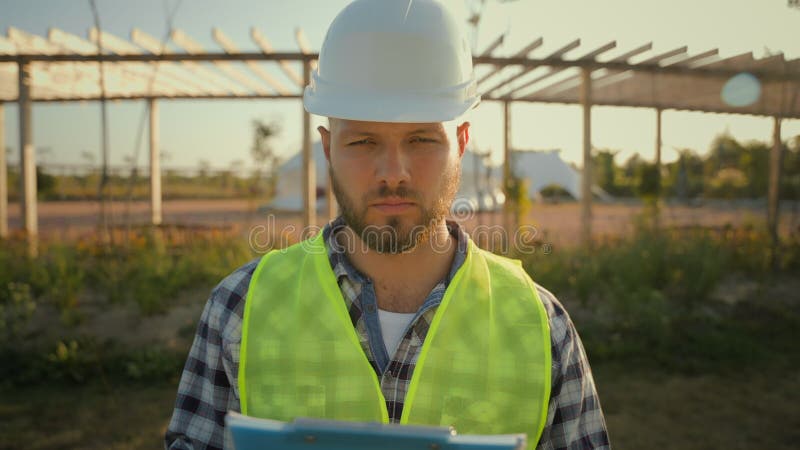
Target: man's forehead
[[357, 126]]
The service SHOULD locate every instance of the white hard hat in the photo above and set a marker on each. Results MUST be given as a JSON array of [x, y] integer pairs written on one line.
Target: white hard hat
[[393, 61]]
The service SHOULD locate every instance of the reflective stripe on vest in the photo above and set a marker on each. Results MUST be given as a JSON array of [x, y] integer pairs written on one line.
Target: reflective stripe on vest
[[484, 367]]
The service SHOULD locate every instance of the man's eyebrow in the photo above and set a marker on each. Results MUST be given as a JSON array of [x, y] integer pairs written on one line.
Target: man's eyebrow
[[434, 130], [357, 133]]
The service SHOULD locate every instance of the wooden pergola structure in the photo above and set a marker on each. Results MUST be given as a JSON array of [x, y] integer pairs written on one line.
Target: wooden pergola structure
[[63, 67]]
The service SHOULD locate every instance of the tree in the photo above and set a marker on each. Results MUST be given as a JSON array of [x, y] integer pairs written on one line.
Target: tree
[[754, 164], [263, 153], [605, 170]]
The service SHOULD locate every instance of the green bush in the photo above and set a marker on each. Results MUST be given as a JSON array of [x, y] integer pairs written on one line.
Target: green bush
[[651, 296], [84, 360]]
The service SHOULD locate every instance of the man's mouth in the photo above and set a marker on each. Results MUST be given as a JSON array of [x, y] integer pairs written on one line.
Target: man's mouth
[[392, 205]]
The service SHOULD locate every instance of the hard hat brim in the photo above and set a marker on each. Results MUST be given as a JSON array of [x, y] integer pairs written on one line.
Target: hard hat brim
[[382, 107]]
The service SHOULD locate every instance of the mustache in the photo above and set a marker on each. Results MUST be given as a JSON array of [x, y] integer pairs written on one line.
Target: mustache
[[385, 191]]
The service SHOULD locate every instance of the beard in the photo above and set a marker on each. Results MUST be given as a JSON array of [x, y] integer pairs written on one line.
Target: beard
[[393, 237]]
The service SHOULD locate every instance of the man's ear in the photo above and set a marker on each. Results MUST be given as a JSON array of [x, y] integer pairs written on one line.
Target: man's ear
[[325, 137], [463, 137]]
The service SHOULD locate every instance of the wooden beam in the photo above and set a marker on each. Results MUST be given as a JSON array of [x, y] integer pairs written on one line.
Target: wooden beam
[[309, 170], [120, 78], [331, 200], [696, 60], [305, 47], [183, 40], [520, 54], [507, 212], [773, 195], [3, 176], [553, 70], [155, 165], [657, 214], [555, 55], [586, 173], [196, 70], [493, 46], [46, 78], [27, 158], [7, 47], [230, 47], [266, 47], [575, 80], [189, 82]]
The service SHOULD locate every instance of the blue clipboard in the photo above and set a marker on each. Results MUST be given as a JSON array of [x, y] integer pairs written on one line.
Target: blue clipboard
[[250, 433]]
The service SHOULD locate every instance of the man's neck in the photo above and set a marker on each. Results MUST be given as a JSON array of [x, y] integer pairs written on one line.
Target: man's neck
[[403, 281]]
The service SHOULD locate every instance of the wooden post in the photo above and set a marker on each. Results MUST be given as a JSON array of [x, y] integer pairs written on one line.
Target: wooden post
[[309, 172], [331, 200], [3, 177], [586, 173], [27, 159], [507, 211], [657, 205], [155, 166], [773, 197]]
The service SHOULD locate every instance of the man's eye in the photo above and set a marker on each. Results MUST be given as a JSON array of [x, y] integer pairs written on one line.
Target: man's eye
[[422, 140], [359, 142]]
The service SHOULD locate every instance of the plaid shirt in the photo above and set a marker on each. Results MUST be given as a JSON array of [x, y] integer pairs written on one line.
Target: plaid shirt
[[209, 384]]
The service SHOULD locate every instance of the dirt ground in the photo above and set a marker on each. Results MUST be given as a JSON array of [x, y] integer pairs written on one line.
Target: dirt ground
[[554, 223], [755, 408]]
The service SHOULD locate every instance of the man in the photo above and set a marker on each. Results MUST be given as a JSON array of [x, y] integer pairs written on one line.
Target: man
[[391, 313]]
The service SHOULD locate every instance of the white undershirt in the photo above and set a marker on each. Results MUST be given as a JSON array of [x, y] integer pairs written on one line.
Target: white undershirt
[[393, 326]]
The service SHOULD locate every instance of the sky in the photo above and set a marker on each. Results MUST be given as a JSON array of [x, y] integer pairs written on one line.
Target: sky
[[219, 132]]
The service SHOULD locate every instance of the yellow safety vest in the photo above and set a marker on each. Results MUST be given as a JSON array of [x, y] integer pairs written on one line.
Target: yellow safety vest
[[484, 367]]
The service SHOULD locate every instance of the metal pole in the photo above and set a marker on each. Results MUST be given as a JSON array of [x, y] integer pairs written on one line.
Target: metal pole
[[27, 158], [3, 177], [586, 173], [155, 166], [773, 210], [507, 166], [309, 173]]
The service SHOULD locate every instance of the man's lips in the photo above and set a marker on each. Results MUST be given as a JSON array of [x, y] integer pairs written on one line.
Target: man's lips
[[392, 205]]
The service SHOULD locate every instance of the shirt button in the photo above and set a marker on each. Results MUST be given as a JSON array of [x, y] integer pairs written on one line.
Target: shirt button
[[370, 308]]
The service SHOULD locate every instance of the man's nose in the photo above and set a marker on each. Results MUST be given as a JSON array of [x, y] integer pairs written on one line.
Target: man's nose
[[393, 166]]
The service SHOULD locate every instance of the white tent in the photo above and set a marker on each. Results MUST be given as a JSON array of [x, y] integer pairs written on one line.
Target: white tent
[[545, 167], [289, 191], [480, 185]]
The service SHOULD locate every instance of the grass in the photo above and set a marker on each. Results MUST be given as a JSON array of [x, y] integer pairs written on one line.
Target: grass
[[91, 416], [679, 363], [751, 407], [754, 407]]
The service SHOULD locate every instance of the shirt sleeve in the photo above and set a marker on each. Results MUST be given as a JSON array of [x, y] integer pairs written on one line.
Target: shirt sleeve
[[574, 416], [208, 387]]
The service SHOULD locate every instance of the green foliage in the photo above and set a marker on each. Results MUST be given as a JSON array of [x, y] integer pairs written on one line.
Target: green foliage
[[555, 192], [79, 361], [147, 270], [648, 181], [16, 308], [650, 296], [45, 183], [264, 157], [605, 172], [153, 271], [517, 198]]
